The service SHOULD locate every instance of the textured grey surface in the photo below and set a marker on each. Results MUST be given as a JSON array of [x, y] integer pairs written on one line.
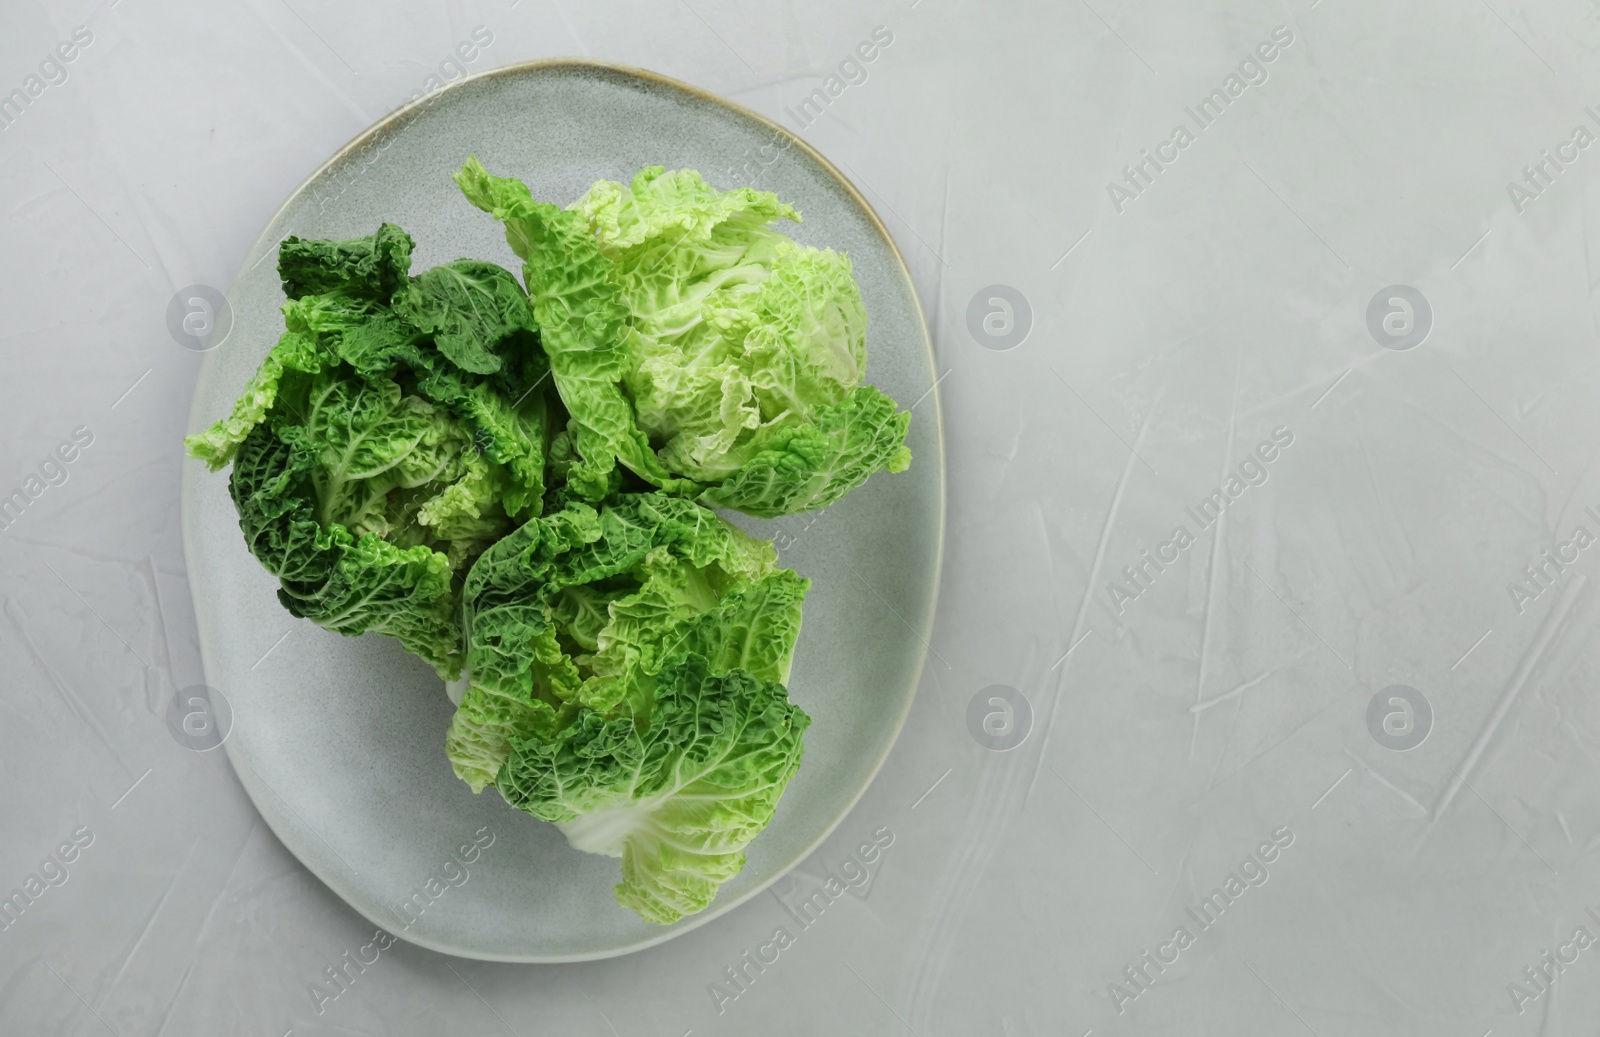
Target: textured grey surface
[[341, 742], [1227, 701]]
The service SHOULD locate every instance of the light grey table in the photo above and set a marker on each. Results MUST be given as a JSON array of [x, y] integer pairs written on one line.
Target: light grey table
[[1208, 226]]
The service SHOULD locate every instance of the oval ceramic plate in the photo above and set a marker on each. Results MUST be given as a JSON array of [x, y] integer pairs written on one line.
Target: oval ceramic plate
[[340, 741]]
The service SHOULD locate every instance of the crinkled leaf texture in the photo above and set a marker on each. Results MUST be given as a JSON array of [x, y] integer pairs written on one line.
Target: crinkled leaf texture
[[581, 321], [468, 306], [293, 354], [451, 461], [678, 800], [583, 606], [336, 579], [626, 670], [812, 466], [706, 351], [390, 435], [372, 267]]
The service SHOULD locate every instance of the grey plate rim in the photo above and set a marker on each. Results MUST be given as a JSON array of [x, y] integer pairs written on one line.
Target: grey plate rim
[[191, 473]]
